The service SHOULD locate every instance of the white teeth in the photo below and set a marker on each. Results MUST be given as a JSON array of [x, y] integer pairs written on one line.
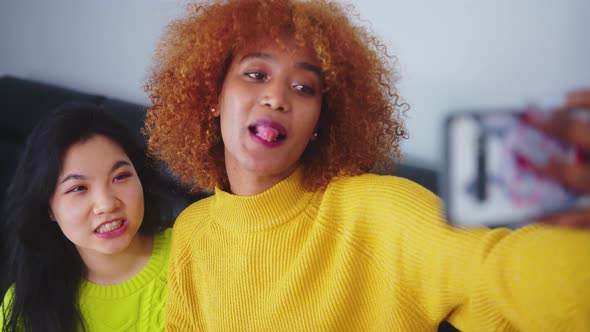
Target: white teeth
[[110, 226]]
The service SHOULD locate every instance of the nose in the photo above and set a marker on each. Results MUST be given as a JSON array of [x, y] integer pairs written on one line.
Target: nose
[[106, 201], [274, 96]]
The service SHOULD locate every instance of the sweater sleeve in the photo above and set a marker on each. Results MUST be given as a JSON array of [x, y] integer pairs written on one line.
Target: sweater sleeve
[[181, 303], [534, 279]]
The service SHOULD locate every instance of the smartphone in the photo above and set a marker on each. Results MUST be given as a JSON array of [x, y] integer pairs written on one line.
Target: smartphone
[[487, 179]]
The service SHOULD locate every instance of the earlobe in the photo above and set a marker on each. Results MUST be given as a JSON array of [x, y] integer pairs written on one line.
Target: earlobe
[[51, 216], [214, 112], [314, 136]]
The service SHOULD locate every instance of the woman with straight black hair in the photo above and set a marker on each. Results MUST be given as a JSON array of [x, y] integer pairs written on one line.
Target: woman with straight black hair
[[82, 252]]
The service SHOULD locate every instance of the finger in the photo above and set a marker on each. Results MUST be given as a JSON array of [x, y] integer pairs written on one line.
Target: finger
[[566, 127], [575, 131], [554, 124], [575, 177], [579, 99], [571, 219]]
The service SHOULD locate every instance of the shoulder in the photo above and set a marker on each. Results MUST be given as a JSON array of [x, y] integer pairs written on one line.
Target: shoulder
[[380, 202], [7, 300], [6, 307], [381, 188], [162, 241], [164, 235], [196, 211], [382, 216], [189, 221]]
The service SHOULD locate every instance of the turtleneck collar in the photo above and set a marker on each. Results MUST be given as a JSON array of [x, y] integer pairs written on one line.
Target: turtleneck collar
[[268, 209]]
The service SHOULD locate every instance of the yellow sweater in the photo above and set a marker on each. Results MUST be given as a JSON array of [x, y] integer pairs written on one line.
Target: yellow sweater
[[371, 253]]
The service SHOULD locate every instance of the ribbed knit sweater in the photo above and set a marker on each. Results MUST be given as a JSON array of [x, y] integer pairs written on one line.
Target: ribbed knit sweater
[[134, 305], [370, 253]]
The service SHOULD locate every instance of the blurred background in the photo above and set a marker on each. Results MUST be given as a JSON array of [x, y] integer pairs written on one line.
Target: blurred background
[[452, 55]]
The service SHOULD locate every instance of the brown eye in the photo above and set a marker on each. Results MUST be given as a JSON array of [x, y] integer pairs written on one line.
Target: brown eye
[[304, 89], [256, 75], [76, 189], [121, 177]]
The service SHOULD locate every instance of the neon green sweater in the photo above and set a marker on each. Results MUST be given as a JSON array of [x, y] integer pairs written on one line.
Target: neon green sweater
[[371, 253], [135, 305]]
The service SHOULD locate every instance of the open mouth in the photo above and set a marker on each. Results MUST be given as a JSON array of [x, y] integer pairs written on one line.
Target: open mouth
[[109, 226], [268, 133]]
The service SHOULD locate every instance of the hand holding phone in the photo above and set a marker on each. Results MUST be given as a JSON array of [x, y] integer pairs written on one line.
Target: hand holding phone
[[492, 169], [571, 125]]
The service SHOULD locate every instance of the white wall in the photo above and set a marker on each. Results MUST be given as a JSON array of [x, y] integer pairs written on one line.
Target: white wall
[[454, 54], [102, 46]]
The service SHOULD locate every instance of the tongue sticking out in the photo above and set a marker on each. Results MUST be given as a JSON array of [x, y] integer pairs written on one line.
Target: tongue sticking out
[[267, 133]]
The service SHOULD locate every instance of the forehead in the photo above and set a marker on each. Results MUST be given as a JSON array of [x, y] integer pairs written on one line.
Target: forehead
[[96, 149], [285, 49]]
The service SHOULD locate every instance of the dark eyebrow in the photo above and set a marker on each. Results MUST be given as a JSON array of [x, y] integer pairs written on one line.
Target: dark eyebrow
[[117, 165], [267, 56], [310, 67], [257, 55], [73, 176]]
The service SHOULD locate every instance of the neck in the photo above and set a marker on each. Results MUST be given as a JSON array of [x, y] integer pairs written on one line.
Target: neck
[[244, 182], [112, 269]]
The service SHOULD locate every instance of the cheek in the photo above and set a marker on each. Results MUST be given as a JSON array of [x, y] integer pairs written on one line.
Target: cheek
[[236, 99], [140, 206], [309, 123], [135, 200], [71, 217], [66, 210], [230, 121]]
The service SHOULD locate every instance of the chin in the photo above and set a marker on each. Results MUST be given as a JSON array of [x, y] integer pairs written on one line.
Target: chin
[[267, 166], [117, 247], [113, 250], [272, 171]]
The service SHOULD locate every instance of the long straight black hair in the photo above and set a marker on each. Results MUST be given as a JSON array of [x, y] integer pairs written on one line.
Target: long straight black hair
[[43, 265]]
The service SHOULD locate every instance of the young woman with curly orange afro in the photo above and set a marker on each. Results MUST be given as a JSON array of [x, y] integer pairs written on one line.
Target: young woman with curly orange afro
[[283, 108]]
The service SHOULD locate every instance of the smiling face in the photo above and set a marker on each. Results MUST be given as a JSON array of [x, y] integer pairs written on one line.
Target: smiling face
[[269, 106], [98, 198]]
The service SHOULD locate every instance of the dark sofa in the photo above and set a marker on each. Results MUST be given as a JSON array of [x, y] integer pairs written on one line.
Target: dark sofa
[[23, 102]]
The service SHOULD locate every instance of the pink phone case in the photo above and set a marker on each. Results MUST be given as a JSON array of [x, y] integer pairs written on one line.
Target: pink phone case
[[488, 179]]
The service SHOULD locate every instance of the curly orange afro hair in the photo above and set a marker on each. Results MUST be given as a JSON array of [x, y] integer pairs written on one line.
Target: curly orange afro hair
[[360, 125]]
